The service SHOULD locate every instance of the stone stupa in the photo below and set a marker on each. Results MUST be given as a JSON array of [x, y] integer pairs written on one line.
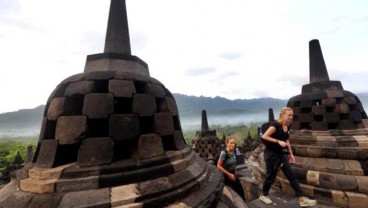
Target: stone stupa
[[329, 138], [111, 137], [206, 143]]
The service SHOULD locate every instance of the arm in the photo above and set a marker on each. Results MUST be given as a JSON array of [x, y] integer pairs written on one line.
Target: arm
[[223, 170], [267, 136], [291, 156]]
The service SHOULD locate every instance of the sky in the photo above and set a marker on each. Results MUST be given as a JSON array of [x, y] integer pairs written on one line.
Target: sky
[[237, 49]]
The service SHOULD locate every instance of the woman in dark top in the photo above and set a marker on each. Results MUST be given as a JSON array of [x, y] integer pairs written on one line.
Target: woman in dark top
[[227, 164], [276, 154]]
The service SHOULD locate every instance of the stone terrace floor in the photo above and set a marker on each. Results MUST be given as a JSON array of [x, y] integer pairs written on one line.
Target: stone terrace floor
[[281, 200]]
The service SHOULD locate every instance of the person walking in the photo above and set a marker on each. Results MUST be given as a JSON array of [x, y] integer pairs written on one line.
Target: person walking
[[277, 154], [227, 163]]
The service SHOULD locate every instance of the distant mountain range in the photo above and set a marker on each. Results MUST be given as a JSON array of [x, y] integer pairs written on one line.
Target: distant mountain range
[[219, 111]]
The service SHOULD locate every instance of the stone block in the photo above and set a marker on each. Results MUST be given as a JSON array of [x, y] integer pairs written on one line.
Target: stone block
[[342, 108], [179, 165], [319, 126], [346, 182], [155, 186], [179, 140], [55, 108], [307, 103], [73, 78], [329, 102], [306, 117], [332, 117], [144, 105], [314, 151], [124, 126], [346, 124], [47, 154], [77, 184], [70, 129], [44, 201], [336, 166], [362, 183], [357, 200], [164, 123], [122, 88], [168, 105], [313, 178], [251, 188], [154, 90], [149, 146], [318, 110], [353, 167], [98, 105], [90, 198], [350, 100], [99, 75], [47, 173], [79, 88], [37, 186], [339, 198], [335, 93], [96, 151], [123, 195], [131, 76], [355, 116]]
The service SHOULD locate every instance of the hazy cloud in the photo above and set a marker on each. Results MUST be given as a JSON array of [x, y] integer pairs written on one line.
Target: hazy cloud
[[230, 55], [200, 71]]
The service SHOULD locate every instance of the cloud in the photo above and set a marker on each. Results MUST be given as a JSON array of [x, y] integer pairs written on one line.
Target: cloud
[[200, 71], [230, 55]]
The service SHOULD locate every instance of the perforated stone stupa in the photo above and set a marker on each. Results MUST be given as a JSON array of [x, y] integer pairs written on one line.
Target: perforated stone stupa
[[111, 137], [329, 138], [206, 143]]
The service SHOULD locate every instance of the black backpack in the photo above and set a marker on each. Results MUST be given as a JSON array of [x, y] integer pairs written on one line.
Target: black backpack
[[217, 157], [263, 129]]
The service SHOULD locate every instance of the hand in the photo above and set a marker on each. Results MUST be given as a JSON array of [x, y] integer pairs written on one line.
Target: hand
[[232, 177], [282, 143], [291, 158]]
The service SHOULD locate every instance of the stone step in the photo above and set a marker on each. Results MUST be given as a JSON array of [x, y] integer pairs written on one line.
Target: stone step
[[281, 200]]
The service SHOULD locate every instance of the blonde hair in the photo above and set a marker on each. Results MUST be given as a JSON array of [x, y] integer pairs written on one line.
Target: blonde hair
[[283, 112], [228, 139]]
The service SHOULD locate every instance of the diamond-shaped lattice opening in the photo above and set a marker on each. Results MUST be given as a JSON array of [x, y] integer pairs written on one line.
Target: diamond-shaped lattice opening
[[122, 105], [66, 154], [98, 128]]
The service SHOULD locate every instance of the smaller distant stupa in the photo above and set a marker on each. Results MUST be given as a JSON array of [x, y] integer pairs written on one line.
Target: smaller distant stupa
[[206, 143]]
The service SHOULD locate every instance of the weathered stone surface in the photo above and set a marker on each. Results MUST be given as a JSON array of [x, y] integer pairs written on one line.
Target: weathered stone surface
[[56, 108], [122, 88], [155, 186], [79, 88], [70, 129], [44, 200], [313, 178], [126, 194], [155, 90], [149, 146], [96, 151], [90, 198], [357, 200], [98, 105], [179, 140], [144, 105], [168, 105], [37, 186], [77, 184], [124, 126], [164, 123], [47, 154], [339, 198]]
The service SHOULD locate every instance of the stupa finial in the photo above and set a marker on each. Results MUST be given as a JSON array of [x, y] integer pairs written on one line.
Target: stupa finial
[[317, 66], [117, 33], [204, 121]]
